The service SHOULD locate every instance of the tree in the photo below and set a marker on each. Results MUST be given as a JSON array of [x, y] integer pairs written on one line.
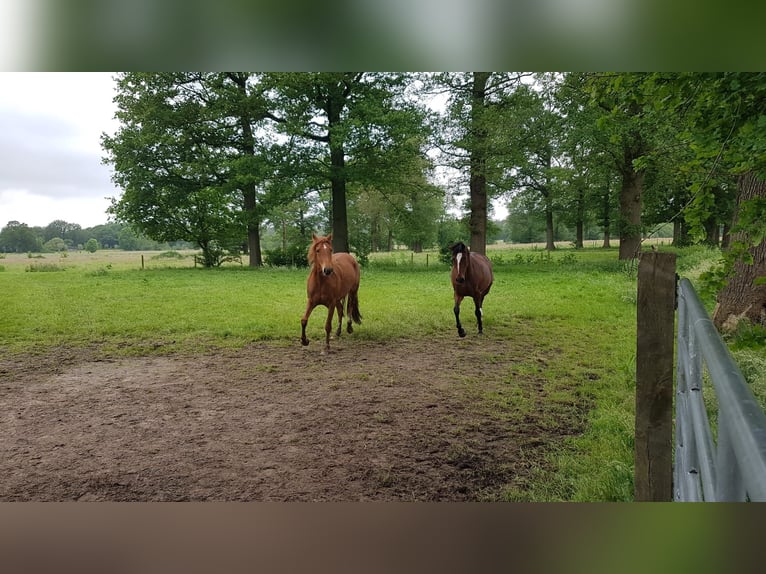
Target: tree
[[588, 174], [171, 156], [478, 134], [107, 234], [91, 246], [239, 100], [473, 139], [744, 295], [535, 135], [628, 121], [17, 237], [55, 244], [345, 128], [71, 233], [727, 130], [403, 205]]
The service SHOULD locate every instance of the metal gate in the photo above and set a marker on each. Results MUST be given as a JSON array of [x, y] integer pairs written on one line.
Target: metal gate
[[733, 467]]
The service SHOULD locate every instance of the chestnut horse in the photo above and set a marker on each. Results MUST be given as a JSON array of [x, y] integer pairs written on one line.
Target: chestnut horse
[[332, 278], [471, 277]]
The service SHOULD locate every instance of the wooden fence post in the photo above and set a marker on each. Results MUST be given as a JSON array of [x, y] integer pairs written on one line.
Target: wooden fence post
[[655, 319]]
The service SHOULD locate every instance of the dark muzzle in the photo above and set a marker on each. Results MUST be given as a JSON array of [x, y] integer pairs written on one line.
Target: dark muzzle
[[327, 270]]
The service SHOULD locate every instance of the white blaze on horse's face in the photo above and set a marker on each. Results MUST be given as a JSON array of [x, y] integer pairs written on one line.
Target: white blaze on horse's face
[[460, 275], [327, 268]]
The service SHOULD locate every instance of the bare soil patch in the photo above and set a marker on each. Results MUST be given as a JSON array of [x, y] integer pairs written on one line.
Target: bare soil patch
[[405, 420]]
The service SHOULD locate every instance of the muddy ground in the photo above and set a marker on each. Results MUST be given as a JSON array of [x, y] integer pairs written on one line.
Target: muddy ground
[[406, 420]]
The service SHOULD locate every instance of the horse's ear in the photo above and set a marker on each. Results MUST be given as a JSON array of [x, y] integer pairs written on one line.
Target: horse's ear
[[329, 236], [314, 236]]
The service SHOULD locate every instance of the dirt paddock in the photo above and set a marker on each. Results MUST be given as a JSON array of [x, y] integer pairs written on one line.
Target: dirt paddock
[[407, 420]]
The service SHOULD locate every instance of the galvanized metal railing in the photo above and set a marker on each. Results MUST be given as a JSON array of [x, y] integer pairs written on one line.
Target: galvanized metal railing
[[733, 468]]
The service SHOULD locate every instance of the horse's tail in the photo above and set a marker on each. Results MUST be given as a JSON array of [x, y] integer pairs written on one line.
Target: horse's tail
[[353, 307]]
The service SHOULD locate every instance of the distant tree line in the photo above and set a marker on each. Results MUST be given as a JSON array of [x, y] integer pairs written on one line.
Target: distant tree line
[[59, 235]]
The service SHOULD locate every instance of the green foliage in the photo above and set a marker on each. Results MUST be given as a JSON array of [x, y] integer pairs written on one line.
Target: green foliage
[[445, 252], [91, 246], [55, 244], [214, 254], [293, 256], [751, 360], [17, 237], [748, 336]]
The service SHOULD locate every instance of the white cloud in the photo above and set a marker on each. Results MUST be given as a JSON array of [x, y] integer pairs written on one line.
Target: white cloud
[[50, 152], [39, 210]]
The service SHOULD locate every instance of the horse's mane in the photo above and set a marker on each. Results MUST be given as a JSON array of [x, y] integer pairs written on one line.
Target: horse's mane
[[459, 247]]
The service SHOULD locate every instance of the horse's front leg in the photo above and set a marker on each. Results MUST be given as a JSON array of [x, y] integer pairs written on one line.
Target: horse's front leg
[[478, 312], [458, 300], [328, 325], [304, 321]]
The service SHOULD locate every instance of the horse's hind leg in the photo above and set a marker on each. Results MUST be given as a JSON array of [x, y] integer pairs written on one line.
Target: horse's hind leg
[[460, 330], [478, 312], [349, 316], [328, 326], [339, 308]]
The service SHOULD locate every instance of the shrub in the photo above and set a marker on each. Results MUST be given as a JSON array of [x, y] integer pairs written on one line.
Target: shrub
[[44, 268], [169, 255], [91, 246], [294, 256]]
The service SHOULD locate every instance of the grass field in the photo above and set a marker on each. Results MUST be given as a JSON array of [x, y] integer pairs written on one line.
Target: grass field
[[572, 312]]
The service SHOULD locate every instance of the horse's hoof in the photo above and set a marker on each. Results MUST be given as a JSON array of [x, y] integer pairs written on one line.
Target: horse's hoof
[[461, 332], [304, 342]]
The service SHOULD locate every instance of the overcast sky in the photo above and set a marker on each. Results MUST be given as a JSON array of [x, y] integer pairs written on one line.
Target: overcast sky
[[50, 148], [50, 151]]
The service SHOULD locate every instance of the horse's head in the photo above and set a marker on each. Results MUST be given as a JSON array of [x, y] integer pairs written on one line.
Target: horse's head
[[459, 261], [320, 253]]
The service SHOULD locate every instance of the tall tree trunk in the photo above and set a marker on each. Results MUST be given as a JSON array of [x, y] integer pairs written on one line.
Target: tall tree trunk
[[478, 164], [338, 186], [550, 244], [712, 231], [630, 210], [339, 222], [606, 219], [741, 298], [249, 192], [580, 218]]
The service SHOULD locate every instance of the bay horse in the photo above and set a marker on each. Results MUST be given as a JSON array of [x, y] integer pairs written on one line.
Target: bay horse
[[333, 277], [471, 277]]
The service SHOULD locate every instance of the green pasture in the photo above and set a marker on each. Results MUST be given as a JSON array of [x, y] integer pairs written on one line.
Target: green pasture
[[573, 313]]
